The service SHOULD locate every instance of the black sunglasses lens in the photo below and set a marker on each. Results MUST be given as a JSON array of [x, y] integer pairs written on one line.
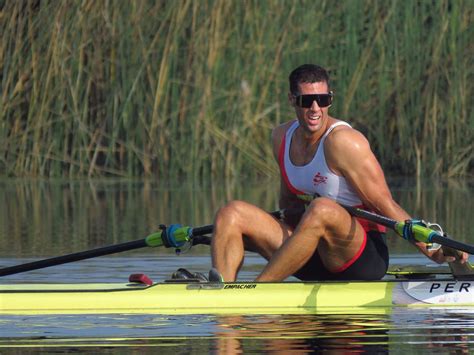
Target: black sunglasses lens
[[324, 100], [306, 101]]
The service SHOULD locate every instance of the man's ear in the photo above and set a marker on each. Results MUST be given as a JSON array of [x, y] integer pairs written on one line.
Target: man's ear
[[332, 98], [291, 99]]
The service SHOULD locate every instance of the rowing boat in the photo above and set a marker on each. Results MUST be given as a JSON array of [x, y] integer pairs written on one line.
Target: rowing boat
[[396, 290]]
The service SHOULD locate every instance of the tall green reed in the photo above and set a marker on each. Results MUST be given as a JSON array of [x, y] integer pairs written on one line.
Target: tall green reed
[[173, 89]]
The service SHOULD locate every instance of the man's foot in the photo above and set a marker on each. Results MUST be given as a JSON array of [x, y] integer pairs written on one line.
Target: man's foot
[[215, 276], [183, 274]]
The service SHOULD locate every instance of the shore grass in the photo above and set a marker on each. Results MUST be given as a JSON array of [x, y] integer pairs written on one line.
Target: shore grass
[[191, 89]]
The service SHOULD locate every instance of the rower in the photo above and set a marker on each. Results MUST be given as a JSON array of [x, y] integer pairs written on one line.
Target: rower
[[318, 155]]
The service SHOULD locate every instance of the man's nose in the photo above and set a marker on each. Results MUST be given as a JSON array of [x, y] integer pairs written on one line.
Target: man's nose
[[315, 106]]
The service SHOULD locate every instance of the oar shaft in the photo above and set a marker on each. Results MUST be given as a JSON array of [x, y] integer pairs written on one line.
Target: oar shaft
[[203, 230], [153, 240], [451, 243], [58, 260], [210, 228], [384, 221], [434, 237]]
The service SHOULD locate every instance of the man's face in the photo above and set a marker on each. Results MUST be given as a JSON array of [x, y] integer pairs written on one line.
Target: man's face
[[314, 118]]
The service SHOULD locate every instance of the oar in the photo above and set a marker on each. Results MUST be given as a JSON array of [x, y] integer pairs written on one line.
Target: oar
[[425, 235], [153, 240], [177, 238], [182, 235], [421, 234]]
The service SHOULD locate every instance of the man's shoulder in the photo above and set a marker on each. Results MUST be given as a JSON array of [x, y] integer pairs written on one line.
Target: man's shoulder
[[346, 141], [347, 148], [346, 138], [277, 136], [279, 131]]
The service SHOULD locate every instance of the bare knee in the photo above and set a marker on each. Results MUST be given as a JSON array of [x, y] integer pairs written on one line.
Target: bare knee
[[325, 217], [230, 215], [323, 211], [331, 221]]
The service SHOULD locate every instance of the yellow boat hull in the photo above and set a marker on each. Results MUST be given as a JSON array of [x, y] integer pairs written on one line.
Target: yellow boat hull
[[232, 298]]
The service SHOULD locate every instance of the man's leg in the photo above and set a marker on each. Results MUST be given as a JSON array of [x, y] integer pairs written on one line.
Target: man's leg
[[325, 226], [241, 226]]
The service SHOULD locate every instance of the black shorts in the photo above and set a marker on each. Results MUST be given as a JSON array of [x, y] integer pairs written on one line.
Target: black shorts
[[372, 263]]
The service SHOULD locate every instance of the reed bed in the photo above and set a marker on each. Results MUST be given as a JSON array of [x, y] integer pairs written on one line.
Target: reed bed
[[191, 89]]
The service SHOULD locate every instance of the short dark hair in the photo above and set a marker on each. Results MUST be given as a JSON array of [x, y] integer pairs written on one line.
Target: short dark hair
[[307, 73]]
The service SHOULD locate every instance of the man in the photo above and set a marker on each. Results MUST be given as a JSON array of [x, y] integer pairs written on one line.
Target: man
[[322, 161]]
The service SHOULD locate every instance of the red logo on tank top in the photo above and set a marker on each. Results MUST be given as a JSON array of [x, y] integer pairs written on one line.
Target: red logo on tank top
[[319, 179]]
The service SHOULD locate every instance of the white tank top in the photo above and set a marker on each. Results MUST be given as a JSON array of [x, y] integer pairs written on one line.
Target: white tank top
[[315, 178]]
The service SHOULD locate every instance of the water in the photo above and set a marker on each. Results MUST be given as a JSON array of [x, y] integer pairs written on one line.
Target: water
[[403, 330], [42, 219]]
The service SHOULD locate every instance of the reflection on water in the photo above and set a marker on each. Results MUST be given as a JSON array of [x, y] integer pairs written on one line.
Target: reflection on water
[[47, 218], [402, 330], [41, 219], [287, 333]]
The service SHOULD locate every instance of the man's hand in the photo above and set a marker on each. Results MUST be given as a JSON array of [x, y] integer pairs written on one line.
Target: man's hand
[[443, 255], [438, 255]]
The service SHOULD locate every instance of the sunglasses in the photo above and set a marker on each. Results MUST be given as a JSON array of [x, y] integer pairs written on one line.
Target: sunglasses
[[306, 101]]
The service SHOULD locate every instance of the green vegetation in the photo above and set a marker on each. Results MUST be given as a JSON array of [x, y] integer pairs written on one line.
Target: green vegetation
[[192, 88]]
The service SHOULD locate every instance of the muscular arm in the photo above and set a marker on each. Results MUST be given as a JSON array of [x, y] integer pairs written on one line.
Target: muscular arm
[[348, 154]]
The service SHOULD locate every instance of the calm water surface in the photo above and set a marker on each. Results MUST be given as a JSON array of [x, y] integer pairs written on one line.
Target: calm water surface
[[47, 218]]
